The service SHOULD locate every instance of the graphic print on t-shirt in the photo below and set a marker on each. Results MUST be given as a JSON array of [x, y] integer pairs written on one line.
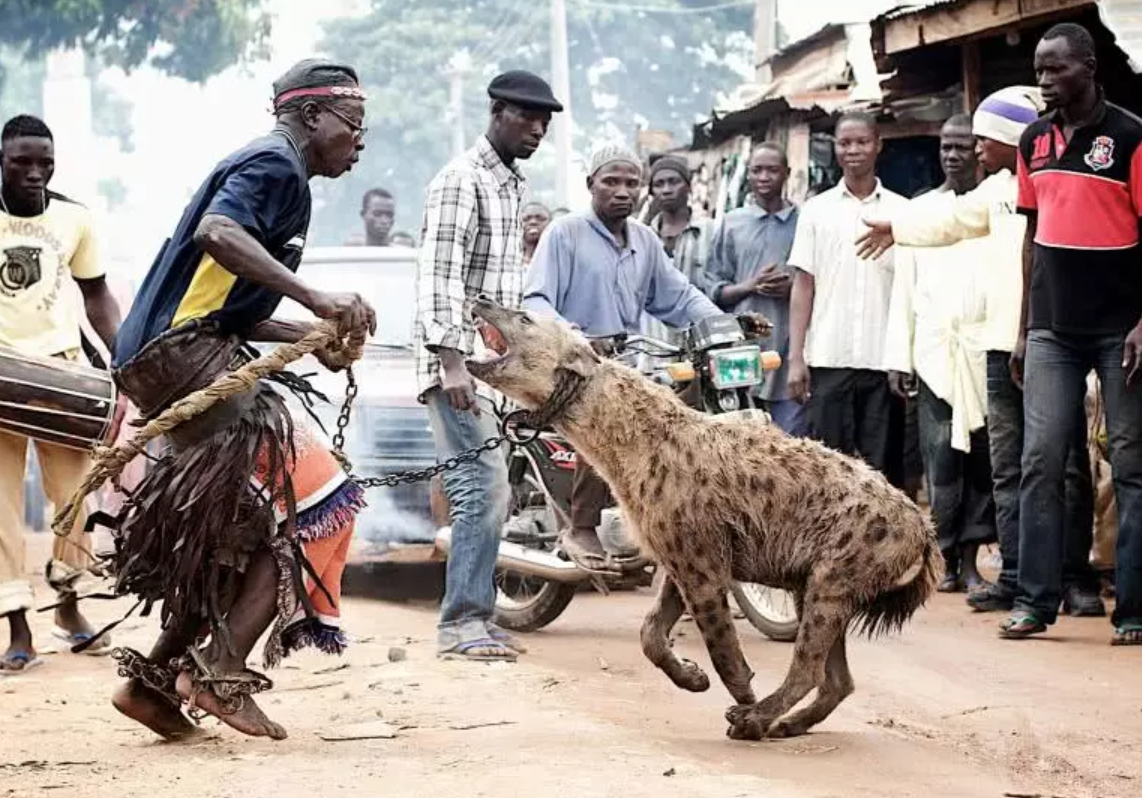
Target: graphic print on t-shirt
[[40, 306], [19, 269]]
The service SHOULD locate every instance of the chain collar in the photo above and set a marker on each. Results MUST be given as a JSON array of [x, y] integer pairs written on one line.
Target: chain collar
[[568, 386]]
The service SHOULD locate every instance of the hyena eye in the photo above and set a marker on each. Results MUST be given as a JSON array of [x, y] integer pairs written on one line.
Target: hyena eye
[[525, 319]]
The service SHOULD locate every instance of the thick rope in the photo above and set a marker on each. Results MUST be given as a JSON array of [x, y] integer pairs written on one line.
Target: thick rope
[[108, 462]]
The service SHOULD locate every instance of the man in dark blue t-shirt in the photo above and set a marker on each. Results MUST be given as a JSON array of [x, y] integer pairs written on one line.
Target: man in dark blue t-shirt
[[194, 535]]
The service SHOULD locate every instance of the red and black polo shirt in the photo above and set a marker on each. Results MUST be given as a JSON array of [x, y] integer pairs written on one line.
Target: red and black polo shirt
[[1086, 195]]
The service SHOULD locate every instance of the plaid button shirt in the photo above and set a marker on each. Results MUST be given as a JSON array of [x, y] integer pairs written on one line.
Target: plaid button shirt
[[471, 244]]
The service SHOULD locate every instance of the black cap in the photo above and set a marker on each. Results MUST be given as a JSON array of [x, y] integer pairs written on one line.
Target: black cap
[[523, 89]]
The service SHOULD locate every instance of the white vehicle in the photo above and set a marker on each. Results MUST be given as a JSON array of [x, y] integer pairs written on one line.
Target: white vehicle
[[388, 430]]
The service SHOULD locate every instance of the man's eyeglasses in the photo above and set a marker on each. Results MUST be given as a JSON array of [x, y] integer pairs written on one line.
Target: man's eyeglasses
[[358, 130]]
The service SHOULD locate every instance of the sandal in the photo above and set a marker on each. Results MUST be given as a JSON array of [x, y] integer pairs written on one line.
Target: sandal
[[507, 640], [1021, 625], [100, 648], [461, 651], [1127, 634], [16, 662]]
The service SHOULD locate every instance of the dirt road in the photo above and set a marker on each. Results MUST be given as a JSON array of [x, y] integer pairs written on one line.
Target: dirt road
[[945, 711]]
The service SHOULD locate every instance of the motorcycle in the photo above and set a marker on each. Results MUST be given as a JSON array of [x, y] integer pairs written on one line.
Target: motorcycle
[[713, 371]]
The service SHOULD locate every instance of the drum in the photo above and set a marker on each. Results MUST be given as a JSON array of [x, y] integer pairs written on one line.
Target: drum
[[55, 400]]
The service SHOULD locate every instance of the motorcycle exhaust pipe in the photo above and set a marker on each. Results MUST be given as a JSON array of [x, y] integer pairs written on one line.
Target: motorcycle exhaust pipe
[[522, 560]]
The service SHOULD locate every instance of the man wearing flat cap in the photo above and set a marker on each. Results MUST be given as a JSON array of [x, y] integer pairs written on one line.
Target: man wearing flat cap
[[245, 521], [472, 245], [601, 271]]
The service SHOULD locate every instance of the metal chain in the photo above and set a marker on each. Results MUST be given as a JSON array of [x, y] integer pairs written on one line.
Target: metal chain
[[567, 388], [343, 418], [133, 665], [422, 474]]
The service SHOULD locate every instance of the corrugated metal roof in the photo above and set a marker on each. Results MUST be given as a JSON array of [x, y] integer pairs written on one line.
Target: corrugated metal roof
[[1124, 19], [915, 8], [829, 74]]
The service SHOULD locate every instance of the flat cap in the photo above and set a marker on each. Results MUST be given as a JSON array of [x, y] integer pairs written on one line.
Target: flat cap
[[524, 89]]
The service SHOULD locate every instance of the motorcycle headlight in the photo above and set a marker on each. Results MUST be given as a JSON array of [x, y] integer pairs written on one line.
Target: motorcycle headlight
[[739, 367]]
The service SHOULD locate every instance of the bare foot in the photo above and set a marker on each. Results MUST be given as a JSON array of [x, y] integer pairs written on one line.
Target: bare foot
[[70, 619], [142, 704], [249, 719], [585, 549]]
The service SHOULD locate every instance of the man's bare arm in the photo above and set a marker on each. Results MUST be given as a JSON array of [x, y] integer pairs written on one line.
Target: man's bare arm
[[280, 331], [101, 308], [800, 312], [240, 254], [1017, 356]]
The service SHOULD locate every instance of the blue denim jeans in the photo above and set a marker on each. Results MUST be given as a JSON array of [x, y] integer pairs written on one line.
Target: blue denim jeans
[[1005, 431], [1054, 385], [478, 495]]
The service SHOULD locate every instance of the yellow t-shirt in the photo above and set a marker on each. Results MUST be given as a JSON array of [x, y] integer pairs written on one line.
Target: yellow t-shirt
[[40, 306]]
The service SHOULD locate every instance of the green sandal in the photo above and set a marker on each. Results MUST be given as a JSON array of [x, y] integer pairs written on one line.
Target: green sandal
[[1021, 625], [1127, 634]]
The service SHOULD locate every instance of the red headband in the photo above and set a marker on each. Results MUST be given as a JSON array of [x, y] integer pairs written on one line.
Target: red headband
[[319, 91]]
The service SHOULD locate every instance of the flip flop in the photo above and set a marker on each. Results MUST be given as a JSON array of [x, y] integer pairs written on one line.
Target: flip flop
[[1021, 625], [460, 651], [508, 641], [1127, 634], [27, 660], [100, 648]]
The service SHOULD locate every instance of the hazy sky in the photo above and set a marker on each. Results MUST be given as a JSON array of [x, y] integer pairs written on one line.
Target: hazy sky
[[802, 17], [182, 129]]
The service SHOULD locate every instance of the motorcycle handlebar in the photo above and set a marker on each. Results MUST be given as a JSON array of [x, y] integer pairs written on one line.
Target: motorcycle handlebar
[[636, 342]]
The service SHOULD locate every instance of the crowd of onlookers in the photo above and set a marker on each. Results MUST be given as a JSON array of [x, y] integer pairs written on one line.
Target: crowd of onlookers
[[905, 324], [962, 325]]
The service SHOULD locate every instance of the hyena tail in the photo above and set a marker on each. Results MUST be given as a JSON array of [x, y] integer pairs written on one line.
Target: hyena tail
[[889, 610]]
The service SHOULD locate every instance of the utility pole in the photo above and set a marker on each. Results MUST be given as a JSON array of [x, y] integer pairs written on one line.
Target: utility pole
[[458, 68], [561, 85], [764, 38]]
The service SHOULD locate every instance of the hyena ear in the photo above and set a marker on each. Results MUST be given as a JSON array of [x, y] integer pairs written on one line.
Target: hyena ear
[[583, 361]]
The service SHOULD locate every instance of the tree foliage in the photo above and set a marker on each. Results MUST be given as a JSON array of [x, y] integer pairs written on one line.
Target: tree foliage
[[628, 70], [195, 38]]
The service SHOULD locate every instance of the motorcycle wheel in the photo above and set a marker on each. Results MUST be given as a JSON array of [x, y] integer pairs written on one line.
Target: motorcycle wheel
[[772, 612], [525, 604]]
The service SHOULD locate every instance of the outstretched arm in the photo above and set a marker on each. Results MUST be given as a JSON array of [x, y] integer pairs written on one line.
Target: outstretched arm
[[952, 219]]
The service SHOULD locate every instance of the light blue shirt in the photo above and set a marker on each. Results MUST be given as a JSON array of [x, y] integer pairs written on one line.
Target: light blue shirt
[[580, 273]]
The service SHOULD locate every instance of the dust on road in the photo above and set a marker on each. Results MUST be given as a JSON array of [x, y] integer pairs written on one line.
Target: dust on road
[[946, 710]]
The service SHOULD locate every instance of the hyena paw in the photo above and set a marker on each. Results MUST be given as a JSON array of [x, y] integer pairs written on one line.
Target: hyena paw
[[744, 724], [690, 676]]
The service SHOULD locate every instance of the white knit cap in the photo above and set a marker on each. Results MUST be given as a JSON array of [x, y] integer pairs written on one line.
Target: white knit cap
[[1004, 115], [613, 153]]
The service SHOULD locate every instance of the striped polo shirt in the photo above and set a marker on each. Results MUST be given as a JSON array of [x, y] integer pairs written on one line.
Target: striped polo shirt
[[1086, 195]]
